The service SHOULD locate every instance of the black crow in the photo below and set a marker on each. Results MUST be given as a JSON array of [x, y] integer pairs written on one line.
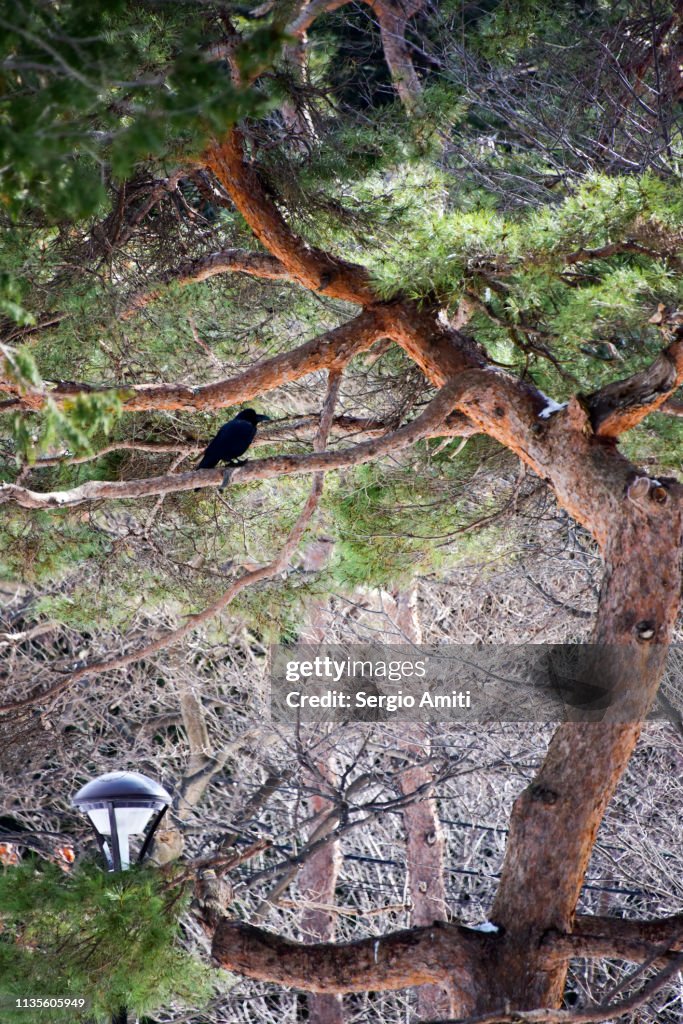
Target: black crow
[[232, 440]]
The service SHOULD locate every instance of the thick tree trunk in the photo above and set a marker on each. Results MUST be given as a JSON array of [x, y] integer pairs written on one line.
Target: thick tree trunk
[[637, 523], [556, 819]]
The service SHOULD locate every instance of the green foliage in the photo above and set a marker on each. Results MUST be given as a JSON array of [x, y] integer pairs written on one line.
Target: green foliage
[[507, 28], [73, 424], [656, 443], [261, 47], [276, 610], [11, 303], [439, 251], [43, 547], [393, 525], [93, 93], [19, 367], [88, 88], [603, 209], [110, 938]]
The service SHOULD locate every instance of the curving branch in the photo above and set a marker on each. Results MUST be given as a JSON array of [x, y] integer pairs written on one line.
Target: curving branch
[[308, 11], [670, 252], [414, 956], [622, 405], [313, 268], [334, 347], [589, 478], [239, 261]]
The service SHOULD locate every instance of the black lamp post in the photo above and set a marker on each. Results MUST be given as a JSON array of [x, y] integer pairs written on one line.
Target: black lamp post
[[121, 805]]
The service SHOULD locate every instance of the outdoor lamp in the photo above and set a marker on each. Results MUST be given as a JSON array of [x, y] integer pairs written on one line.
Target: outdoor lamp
[[121, 805]]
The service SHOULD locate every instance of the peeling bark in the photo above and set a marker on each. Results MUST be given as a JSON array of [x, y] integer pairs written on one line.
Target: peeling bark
[[417, 956], [622, 405]]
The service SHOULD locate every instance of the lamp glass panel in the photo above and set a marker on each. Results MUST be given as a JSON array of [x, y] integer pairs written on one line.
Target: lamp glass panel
[[132, 820], [129, 822], [100, 819]]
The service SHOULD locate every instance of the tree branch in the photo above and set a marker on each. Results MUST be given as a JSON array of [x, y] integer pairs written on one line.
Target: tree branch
[[620, 406], [298, 428], [313, 268], [617, 937], [249, 579], [415, 956], [392, 18], [620, 248], [242, 261], [261, 469], [602, 1012], [393, 23], [326, 351]]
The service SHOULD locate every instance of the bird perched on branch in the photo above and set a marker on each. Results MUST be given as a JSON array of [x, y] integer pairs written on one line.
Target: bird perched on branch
[[232, 440]]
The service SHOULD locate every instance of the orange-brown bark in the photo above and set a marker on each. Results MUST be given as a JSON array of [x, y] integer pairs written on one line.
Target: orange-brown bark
[[620, 406], [638, 526], [393, 18], [312, 268], [555, 820], [334, 348]]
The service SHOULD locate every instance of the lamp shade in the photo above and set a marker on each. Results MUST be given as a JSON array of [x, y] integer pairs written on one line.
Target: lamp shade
[[120, 805]]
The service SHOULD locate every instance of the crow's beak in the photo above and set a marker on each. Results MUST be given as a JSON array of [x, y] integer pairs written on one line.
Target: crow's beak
[[260, 418]]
